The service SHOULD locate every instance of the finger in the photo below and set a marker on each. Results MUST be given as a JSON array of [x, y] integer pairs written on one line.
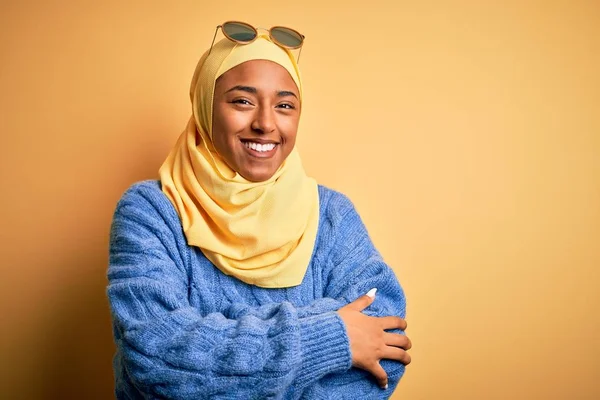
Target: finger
[[380, 375], [392, 323], [397, 340], [363, 301], [396, 353]]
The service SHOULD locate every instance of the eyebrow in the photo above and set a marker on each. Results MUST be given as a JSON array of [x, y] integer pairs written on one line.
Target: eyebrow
[[248, 89], [252, 90], [284, 93]]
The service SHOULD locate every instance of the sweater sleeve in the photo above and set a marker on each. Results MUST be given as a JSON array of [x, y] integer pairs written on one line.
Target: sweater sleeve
[[169, 349]]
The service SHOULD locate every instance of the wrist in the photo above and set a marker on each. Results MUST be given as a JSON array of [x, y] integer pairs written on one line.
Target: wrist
[[325, 346]]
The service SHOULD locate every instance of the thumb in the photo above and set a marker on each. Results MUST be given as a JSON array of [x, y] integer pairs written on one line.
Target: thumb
[[363, 301]]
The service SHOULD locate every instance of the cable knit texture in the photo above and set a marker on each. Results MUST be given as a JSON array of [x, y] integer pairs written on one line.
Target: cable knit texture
[[185, 330]]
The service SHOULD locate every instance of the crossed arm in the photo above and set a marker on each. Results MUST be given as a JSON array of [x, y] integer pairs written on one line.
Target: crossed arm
[[170, 349]]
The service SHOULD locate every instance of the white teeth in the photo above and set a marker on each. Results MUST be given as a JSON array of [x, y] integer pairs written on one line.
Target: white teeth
[[260, 147]]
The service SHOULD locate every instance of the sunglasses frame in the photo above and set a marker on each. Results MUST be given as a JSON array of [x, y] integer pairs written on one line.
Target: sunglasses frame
[[277, 42]]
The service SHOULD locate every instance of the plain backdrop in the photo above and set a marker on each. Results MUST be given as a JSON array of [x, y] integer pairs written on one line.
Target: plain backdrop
[[467, 133]]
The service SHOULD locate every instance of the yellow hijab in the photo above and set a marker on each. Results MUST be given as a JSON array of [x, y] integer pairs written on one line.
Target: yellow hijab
[[262, 233]]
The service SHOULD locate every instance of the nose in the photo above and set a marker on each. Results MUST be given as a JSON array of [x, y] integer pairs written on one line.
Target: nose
[[264, 120]]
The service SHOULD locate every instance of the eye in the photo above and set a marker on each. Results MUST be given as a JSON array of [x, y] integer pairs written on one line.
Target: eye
[[244, 102], [287, 106]]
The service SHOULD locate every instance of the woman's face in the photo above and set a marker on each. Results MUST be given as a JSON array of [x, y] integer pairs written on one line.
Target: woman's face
[[256, 110]]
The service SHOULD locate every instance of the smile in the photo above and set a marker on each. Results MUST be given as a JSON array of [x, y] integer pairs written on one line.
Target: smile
[[260, 150]]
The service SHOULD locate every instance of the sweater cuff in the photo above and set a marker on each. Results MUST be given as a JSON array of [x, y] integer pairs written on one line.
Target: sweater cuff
[[325, 347]]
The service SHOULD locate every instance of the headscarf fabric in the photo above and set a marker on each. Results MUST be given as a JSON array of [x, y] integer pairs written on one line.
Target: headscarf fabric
[[262, 233]]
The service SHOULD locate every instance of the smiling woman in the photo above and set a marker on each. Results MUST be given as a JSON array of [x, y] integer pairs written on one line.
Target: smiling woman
[[237, 276]]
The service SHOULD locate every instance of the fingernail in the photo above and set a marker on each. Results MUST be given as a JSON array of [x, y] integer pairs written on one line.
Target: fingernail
[[371, 293], [385, 387]]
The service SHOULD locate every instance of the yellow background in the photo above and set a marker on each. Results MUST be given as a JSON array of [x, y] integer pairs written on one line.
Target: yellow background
[[466, 132]]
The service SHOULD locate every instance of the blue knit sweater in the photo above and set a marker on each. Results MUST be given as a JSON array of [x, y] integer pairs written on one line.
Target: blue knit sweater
[[185, 330]]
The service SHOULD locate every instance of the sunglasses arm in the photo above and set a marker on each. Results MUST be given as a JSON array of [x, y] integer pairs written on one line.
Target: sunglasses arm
[[214, 37]]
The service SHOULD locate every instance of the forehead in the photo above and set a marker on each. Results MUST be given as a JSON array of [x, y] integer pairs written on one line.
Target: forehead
[[261, 74]]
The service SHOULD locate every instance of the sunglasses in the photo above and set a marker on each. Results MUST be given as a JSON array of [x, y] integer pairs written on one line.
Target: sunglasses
[[243, 33]]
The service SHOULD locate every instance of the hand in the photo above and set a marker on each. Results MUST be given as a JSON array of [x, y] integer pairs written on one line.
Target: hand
[[369, 341]]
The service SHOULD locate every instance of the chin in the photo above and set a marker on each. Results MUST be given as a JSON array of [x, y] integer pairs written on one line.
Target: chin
[[257, 176]]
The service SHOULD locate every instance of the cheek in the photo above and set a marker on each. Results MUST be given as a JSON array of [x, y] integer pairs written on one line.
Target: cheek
[[226, 125], [289, 129], [235, 121]]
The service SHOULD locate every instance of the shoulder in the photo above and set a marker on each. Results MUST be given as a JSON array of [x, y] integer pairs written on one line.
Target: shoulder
[[338, 215], [149, 190], [143, 194], [334, 204], [144, 200], [342, 234]]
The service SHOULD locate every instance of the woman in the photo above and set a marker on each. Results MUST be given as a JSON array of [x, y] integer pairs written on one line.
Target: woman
[[236, 275]]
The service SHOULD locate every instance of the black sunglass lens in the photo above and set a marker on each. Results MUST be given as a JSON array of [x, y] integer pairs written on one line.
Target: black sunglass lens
[[239, 32], [286, 37]]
